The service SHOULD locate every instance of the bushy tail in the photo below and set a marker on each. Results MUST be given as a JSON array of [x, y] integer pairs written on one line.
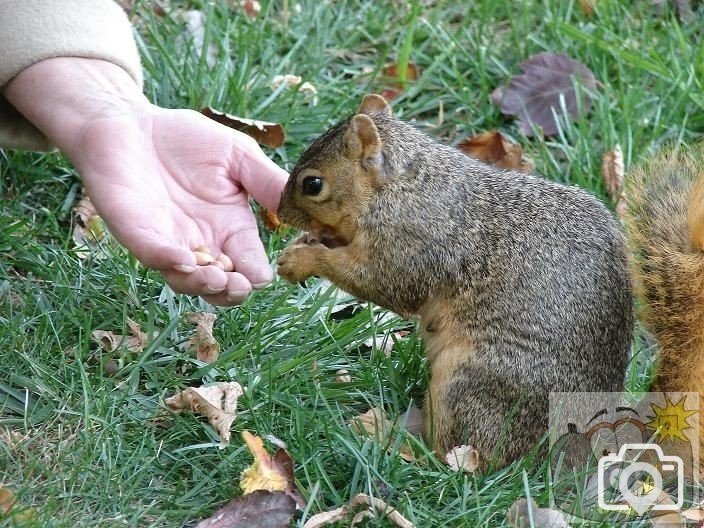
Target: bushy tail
[[665, 224]]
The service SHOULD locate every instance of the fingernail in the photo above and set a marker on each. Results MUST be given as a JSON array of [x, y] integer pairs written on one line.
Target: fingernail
[[236, 296], [261, 285], [183, 268], [210, 290]]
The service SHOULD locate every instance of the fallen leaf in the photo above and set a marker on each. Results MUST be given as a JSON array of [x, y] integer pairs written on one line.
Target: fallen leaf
[[535, 96], [251, 8], [270, 220], [217, 402], [518, 516], [493, 148], [260, 509], [268, 134], [110, 341], [375, 425], [588, 6], [10, 511], [612, 170], [343, 376], [89, 230], [385, 342], [195, 29], [309, 92], [394, 85], [264, 473], [463, 458], [373, 505], [202, 341]]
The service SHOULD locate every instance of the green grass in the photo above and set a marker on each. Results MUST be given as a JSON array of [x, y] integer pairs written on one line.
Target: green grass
[[84, 447]]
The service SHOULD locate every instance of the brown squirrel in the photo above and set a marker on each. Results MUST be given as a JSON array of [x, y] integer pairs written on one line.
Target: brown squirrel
[[665, 227], [520, 284]]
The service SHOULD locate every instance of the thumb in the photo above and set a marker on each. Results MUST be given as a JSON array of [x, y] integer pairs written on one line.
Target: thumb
[[263, 179]]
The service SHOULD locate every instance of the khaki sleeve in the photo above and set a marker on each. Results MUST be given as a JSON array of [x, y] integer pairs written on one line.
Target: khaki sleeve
[[34, 30]]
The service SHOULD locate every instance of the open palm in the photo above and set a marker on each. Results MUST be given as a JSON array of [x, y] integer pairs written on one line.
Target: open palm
[[168, 181]]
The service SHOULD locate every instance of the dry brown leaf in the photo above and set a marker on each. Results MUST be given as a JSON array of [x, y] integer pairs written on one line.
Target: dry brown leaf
[[268, 134], [493, 148], [463, 458], [536, 95], [110, 341], [217, 402], [613, 171], [202, 341], [269, 473], [270, 220], [89, 230], [10, 511], [518, 516], [251, 8], [394, 86], [374, 424], [373, 505], [260, 509], [264, 474], [588, 6]]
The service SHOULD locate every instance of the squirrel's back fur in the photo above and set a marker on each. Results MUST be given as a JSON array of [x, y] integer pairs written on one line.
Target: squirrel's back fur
[[666, 230]]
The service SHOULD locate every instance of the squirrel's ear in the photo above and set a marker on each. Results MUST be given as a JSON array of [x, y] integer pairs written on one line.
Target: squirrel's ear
[[374, 104], [362, 139]]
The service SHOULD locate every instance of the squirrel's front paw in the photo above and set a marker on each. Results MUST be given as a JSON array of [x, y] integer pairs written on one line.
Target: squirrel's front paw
[[298, 262]]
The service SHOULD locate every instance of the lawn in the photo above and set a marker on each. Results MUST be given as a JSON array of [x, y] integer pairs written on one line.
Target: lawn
[[86, 444]]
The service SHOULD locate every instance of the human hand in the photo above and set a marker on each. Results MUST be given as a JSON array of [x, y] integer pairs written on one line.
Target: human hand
[[164, 181]]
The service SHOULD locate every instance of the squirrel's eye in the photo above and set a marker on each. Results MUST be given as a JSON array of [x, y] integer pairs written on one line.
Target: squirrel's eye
[[312, 185]]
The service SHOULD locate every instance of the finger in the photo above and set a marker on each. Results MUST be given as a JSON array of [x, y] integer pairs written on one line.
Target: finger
[[205, 280], [237, 290], [248, 256], [157, 254], [263, 179]]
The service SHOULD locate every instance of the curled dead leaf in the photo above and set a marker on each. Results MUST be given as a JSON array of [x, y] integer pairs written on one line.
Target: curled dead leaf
[[268, 134], [375, 425], [374, 506], [612, 170], [536, 96], [519, 516], [251, 8], [463, 458], [493, 148], [267, 472], [89, 229], [260, 509], [394, 85], [202, 341], [110, 341], [309, 92], [343, 376], [217, 402]]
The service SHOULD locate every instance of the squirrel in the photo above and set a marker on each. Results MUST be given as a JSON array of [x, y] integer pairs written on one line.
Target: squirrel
[[665, 230], [520, 284]]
